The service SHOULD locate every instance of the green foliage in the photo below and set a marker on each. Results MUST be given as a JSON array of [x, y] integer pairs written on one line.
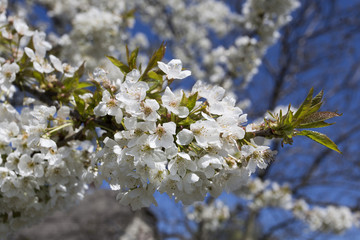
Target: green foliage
[[307, 116], [157, 56], [320, 138], [122, 66], [189, 102]]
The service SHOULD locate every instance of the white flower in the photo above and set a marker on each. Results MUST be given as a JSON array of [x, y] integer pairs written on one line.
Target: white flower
[[133, 76], [229, 127], [209, 163], [186, 184], [138, 198], [39, 63], [131, 93], [256, 157], [40, 45], [172, 103], [163, 136], [62, 67], [173, 69], [134, 130], [181, 163], [148, 110], [109, 106], [145, 155], [31, 166], [22, 28], [8, 72], [206, 133], [5, 174]]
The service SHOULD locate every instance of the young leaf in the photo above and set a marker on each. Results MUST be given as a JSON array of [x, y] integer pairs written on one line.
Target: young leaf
[[320, 138], [127, 53], [123, 68], [317, 99], [320, 116], [304, 107], [157, 56], [289, 117], [84, 85], [184, 100], [314, 108], [192, 101], [71, 83], [154, 75], [186, 122], [80, 104], [80, 71], [315, 125], [133, 57]]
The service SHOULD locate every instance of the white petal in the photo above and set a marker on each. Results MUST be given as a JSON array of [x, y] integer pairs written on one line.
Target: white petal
[[30, 53], [184, 74], [170, 127], [47, 143], [191, 178], [184, 137], [164, 67], [183, 112], [56, 63], [101, 109]]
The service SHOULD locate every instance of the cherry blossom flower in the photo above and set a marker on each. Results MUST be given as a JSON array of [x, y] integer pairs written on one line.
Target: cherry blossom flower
[[109, 106], [173, 69], [164, 136], [172, 101]]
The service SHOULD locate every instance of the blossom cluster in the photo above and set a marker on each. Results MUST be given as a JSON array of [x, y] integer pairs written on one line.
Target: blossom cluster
[[262, 194], [39, 170], [166, 145], [100, 28], [333, 219], [37, 176], [210, 215]]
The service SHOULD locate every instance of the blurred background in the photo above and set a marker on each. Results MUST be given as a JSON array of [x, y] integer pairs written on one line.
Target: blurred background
[[258, 54]]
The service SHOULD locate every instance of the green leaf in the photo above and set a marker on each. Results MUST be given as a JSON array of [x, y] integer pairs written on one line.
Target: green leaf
[[129, 14], [272, 114], [84, 85], [123, 68], [317, 99], [154, 75], [186, 122], [319, 124], [80, 71], [80, 104], [81, 91], [127, 53], [320, 138], [289, 116], [320, 116], [133, 57], [304, 107], [192, 101], [71, 83], [184, 100], [157, 56], [314, 108], [38, 76]]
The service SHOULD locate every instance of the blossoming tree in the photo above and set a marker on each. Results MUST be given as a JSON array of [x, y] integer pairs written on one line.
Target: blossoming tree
[[111, 112]]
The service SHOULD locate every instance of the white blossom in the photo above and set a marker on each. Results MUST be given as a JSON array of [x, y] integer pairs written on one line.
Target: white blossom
[[173, 69]]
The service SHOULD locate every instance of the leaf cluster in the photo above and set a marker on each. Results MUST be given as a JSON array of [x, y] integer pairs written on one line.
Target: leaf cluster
[[307, 116]]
